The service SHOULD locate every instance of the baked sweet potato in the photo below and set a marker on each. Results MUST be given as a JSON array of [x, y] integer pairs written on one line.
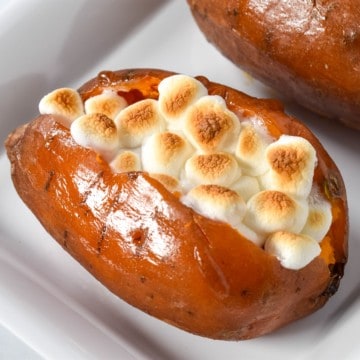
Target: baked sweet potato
[[307, 50], [131, 230]]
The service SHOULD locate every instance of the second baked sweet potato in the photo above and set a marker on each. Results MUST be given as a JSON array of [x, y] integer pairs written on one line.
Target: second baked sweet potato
[[308, 50]]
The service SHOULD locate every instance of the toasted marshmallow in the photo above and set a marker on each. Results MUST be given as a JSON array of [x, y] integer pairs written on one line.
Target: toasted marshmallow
[[98, 132], [210, 126], [292, 162], [169, 182], [176, 94], [165, 153], [138, 121], [217, 169], [270, 211], [250, 149], [250, 234], [65, 102], [216, 202], [246, 186], [293, 251], [108, 103], [320, 217], [126, 161]]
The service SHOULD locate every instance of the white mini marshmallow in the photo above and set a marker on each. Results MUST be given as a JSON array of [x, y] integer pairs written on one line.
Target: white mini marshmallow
[[250, 149], [108, 103], [293, 251], [292, 161], [270, 211], [176, 94], [250, 234], [246, 186], [138, 121], [320, 216], [65, 102], [216, 202], [126, 161], [169, 182], [210, 126], [98, 132], [218, 169], [165, 153]]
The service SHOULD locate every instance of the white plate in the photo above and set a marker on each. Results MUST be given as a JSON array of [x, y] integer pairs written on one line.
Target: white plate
[[47, 300]]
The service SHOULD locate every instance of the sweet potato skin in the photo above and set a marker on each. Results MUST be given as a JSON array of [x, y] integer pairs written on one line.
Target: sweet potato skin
[[307, 50], [155, 253]]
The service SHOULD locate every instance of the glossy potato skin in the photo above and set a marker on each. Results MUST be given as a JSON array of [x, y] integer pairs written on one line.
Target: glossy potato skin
[[158, 255], [307, 50]]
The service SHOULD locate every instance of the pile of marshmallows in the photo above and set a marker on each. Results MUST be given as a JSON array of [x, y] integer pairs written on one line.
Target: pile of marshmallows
[[224, 169]]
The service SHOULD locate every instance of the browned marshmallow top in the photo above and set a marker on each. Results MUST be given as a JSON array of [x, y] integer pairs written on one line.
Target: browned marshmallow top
[[210, 126], [223, 166]]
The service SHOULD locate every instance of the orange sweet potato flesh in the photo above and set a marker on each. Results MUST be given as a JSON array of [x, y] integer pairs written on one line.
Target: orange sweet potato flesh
[[307, 50], [155, 253]]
